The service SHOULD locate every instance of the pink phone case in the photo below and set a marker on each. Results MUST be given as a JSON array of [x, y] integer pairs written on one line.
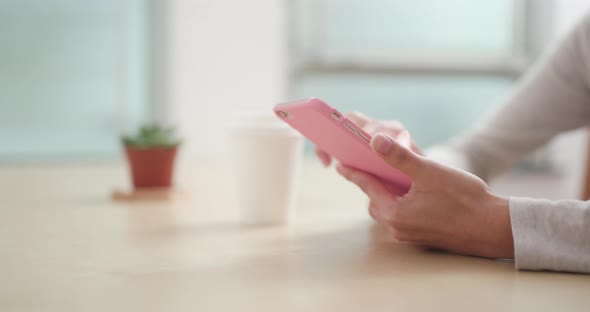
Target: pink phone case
[[341, 138]]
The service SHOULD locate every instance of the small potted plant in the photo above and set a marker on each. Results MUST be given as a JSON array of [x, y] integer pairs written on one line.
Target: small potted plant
[[151, 154]]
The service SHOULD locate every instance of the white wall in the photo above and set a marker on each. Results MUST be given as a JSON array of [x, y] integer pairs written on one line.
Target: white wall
[[568, 12], [222, 56]]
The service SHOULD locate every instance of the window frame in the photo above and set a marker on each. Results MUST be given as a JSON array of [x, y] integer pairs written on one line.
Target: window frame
[[532, 26]]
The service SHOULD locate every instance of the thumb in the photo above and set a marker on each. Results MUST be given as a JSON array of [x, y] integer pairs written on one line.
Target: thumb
[[399, 156]]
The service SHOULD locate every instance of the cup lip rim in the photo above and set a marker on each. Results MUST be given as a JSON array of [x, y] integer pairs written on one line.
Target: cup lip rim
[[253, 117], [264, 131], [260, 123]]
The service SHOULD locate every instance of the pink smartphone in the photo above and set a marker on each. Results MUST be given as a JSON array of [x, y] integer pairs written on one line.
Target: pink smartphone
[[329, 130]]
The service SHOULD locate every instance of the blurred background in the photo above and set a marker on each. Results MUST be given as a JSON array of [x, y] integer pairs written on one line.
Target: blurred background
[[75, 74]]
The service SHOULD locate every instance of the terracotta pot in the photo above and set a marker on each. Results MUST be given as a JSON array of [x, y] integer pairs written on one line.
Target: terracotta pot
[[151, 167]]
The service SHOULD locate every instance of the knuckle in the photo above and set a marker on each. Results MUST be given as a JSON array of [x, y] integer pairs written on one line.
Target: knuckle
[[391, 216], [391, 128], [403, 237], [400, 156], [351, 114], [394, 124], [358, 118], [371, 128], [398, 235], [379, 128], [354, 114], [363, 185], [373, 212], [396, 218], [355, 117], [345, 174], [351, 176]]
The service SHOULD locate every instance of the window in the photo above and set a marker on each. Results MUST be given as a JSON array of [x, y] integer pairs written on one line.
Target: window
[[437, 66], [73, 74]]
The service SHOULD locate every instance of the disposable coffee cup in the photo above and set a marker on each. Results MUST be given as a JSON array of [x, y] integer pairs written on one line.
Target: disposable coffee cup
[[266, 156]]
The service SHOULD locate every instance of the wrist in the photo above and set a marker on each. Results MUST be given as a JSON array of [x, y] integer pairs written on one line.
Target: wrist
[[496, 239]]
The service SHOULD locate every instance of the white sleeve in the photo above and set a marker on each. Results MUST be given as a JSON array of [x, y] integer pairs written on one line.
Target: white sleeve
[[551, 235]]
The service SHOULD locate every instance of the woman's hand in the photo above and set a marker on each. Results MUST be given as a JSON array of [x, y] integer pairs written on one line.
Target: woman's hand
[[445, 208], [372, 126]]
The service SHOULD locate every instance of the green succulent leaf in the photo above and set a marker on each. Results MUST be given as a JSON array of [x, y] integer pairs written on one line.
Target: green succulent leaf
[[152, 135]]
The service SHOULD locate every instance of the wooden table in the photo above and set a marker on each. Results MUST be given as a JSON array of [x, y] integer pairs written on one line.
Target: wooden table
[[66, 247]]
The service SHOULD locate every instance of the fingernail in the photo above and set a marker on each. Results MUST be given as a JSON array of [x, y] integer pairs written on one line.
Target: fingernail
[[382, 143]]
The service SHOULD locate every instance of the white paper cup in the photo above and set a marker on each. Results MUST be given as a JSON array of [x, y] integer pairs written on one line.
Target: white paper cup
[[266, 155]]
